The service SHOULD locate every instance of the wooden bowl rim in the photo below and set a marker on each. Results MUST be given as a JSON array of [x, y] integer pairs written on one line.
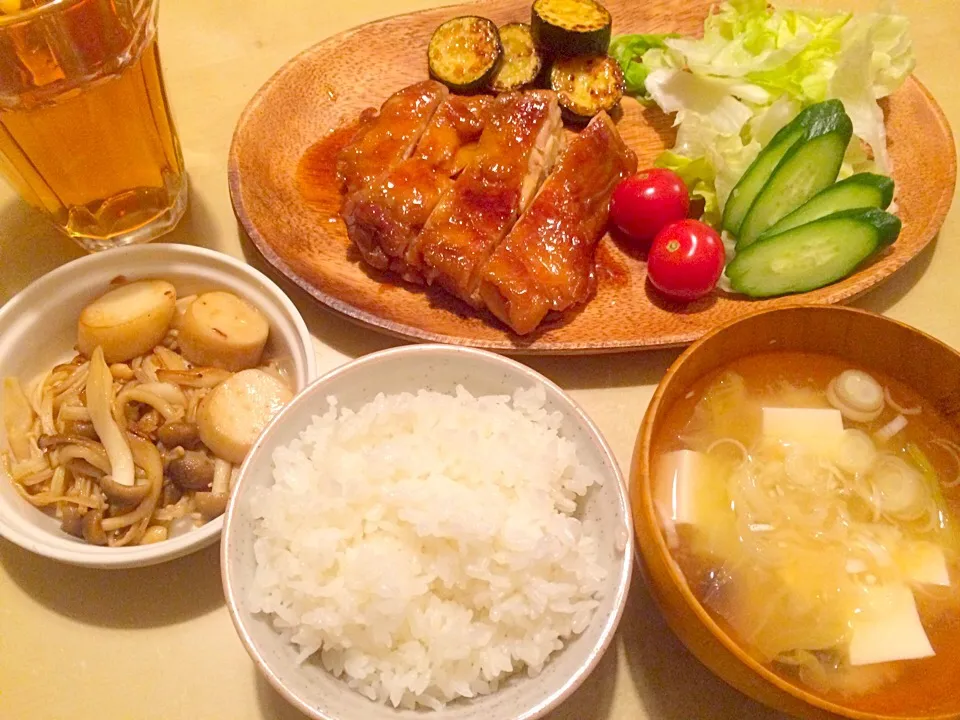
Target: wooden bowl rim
[[644, 513]]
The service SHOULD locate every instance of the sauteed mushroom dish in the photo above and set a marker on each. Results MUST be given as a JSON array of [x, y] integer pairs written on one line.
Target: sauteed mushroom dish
[[136, 438]]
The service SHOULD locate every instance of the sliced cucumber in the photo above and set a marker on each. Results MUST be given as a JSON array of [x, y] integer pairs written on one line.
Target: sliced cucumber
[[571, 27], [464, 53], [863, 190], [759, 172], [521, 60], [811, 165], [585, 85], [812, 255]]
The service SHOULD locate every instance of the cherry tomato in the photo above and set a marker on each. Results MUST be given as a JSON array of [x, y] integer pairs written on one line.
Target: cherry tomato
[[642, 205], [685, 260]]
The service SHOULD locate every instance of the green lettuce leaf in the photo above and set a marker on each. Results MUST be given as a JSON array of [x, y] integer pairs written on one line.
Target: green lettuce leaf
[[701, 97], [852, 84], [892, 58], [755, 67], [627, 50]]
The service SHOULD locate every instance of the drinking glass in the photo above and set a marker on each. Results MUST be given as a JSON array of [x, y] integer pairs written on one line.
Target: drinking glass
[[86, 135]]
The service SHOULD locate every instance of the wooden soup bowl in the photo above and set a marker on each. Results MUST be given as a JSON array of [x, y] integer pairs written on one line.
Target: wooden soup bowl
[[876, 342]]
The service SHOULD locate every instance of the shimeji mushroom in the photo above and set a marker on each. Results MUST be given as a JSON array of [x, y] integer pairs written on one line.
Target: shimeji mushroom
[[71, 520], [135, 522], [193, 471], [123, 495], [214, 503], [92, 528], [179, 434]]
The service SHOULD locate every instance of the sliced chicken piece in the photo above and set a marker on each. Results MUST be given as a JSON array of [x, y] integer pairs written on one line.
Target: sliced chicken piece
[[456, 124], [385, 216], [515, 152], [547, 260], [388, 137]]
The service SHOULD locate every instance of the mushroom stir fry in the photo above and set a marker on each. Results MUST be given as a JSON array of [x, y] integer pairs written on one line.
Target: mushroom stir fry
[[136, 439]]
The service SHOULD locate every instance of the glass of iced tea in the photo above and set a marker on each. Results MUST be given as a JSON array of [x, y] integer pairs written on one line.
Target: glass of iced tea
[[85, 130]]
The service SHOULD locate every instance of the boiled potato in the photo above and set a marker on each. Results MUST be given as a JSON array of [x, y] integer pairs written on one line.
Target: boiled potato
[[235, 412], [127, 321], [220, 329]]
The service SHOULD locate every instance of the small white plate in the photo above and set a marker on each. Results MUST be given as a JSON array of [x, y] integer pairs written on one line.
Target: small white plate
[[604, 512], [38, 329]]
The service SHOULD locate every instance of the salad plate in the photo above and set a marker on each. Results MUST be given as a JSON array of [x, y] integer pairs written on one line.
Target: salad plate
[[299, 232]]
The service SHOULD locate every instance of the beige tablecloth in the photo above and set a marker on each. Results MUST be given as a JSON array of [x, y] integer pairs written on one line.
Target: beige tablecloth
[[157, 644]]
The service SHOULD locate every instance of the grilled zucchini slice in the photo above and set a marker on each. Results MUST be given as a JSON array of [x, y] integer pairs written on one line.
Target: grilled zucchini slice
[[587, 84], [571, 27], [464, 53], [521, 60]]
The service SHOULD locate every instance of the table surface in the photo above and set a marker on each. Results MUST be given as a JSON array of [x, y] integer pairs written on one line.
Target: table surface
[[157, 643]]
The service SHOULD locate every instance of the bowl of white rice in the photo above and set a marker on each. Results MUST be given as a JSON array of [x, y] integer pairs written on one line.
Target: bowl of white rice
[[428, 530]]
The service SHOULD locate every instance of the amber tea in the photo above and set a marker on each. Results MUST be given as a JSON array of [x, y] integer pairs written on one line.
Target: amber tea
[[85, 130]]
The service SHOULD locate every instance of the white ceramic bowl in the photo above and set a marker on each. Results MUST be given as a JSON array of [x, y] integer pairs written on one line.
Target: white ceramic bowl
[[38, 329], [604, 511]]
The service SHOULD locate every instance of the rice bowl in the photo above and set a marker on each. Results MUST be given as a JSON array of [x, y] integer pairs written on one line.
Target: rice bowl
[[425, 546], [428, 543]]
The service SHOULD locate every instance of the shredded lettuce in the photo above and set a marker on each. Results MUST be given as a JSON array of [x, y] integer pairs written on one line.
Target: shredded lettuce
[[628, 50], [753, 70]]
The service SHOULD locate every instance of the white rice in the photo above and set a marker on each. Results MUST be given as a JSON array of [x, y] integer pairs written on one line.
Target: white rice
[[425, 547]]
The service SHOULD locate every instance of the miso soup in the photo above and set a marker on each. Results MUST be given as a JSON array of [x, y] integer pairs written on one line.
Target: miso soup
[[814, 508]]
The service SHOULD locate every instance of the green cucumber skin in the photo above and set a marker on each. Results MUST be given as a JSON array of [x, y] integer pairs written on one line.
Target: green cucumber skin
[[882, 183], [842, 241], [863, 190], [752, 182], [756, 176], [811, 165]]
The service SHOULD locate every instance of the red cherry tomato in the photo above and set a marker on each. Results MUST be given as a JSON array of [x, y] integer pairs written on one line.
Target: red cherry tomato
[[642, 205], [685, 260]]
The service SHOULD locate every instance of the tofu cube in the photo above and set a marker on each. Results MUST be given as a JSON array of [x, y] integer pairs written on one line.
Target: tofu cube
[[888, 628], [924, 562], [818, 430], [679, 476]]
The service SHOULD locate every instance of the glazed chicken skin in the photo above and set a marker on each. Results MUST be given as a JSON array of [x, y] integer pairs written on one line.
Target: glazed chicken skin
[[386, 138], [451, 138], [515, 152], [388, 213], [546, 261], [466, 193]]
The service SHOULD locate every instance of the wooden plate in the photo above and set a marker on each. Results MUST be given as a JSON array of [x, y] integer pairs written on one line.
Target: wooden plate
[[330, 84]]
